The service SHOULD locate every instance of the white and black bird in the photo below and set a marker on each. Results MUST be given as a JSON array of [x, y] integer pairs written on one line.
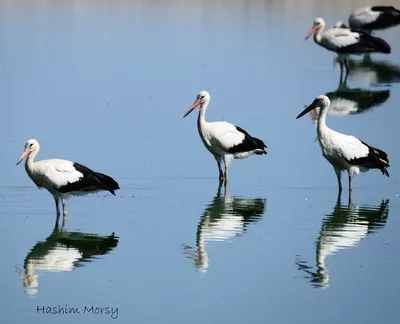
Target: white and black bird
[[63, 178], [344, 152], [373, 18], [345, 42], [225, 141]]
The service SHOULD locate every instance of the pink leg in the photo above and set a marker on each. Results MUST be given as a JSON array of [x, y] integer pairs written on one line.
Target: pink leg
[[221, 174]]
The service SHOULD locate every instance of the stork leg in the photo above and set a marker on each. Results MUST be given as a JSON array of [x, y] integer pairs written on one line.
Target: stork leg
[[350, 186], [64, 209], [341, 71], [221, 174], [338, 175], [57, 206], [347, 67], [227, 162]]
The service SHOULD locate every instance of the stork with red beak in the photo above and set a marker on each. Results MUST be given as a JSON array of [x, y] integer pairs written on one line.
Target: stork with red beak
[[346, 42], [224, 140], [63, 178]]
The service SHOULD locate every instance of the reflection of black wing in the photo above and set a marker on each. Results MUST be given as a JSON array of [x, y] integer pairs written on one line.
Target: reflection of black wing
[[89, 245], [373, 217], [360, 100], [249, 210], [343, 228], [223, 219]]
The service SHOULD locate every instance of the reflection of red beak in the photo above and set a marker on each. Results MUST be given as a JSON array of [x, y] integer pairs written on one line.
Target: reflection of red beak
[[192, 107], [312, 31], [23, 156]]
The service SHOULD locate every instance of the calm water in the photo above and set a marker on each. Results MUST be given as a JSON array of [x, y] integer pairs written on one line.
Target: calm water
[[106, 84]]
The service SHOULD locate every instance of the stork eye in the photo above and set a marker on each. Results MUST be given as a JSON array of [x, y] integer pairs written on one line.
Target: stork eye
[[202, 97], [31, 145]]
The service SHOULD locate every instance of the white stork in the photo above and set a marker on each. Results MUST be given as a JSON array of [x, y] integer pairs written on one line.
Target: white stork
[[345, 152], [346, 42], [63, 178], [374, 18], [224, 140]]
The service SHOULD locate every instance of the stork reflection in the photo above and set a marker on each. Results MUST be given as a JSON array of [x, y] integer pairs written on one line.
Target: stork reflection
[[345, 227], [62, 251], [350, 101], [370, 71], [224, 218]]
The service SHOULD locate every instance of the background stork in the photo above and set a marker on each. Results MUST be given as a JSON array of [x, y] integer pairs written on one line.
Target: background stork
[[345, 152], [63, 178], [224, 140], [346, 42], [373, 18]]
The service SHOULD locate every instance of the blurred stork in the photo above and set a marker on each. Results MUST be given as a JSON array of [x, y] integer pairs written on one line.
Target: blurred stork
[[373, 18], [346, 42]]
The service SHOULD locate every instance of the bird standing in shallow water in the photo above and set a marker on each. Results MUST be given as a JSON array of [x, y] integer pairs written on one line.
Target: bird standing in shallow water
[[224, 140], [63, 178], [345, 152], [346, 42]]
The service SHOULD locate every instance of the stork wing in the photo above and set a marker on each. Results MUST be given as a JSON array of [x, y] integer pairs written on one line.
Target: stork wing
[[351, 148], [339, 38], [59, 172]]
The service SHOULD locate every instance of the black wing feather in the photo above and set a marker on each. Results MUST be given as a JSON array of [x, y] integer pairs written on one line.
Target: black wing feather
[[90, 181], [366, 44], [376, 159], [389, 17], [248, 144]]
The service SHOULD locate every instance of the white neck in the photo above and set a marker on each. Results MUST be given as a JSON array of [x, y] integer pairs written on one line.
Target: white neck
[[30, 161], [201, 120], [321, 127], [317, 35]]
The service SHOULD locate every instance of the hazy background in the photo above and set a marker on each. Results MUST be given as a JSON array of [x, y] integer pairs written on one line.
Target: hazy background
[[106, 83]]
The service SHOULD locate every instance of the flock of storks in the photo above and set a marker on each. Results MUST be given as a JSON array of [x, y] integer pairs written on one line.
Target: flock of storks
[[226, 141]]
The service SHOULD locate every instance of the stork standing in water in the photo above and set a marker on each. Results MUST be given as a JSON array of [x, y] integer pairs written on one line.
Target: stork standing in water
[[345, 152], [63, 178], [224, 140], [346, 42], [373, 18]]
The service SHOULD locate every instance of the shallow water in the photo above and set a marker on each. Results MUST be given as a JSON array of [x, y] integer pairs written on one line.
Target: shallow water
[[106, 84]]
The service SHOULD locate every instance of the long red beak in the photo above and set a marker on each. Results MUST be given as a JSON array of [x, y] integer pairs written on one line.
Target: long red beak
[[23, 156], [192, 107], [312, 31]]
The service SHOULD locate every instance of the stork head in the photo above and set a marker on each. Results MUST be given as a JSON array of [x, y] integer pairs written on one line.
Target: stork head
[[318, 24], [202, 98], [31, 145], [321, 102]]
